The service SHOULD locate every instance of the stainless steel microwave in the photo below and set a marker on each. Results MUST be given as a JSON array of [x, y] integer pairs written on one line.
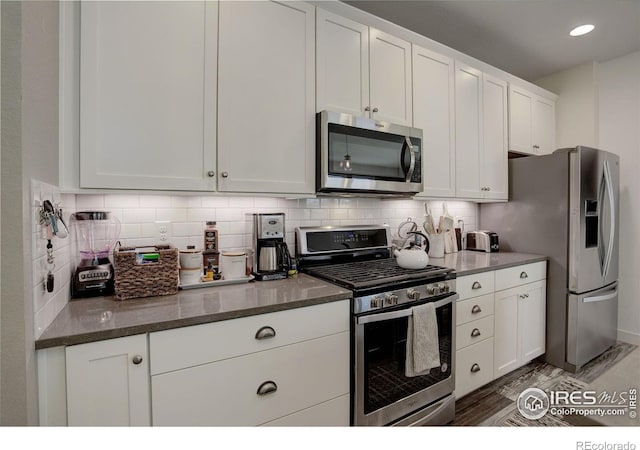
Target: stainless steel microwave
[[366, 157]]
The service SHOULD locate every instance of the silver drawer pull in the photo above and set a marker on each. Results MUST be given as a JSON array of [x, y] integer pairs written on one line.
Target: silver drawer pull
[[265, 333], [475, 332], [476, 285], [267, 388], [475, 368], [476, 309], [524, 275]]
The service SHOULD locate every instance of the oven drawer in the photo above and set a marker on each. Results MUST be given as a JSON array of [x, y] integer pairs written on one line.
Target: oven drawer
[[519, 275], [474, 367], [475, 285], [474, 309], [254, 389], [201, 344], [474, 332]]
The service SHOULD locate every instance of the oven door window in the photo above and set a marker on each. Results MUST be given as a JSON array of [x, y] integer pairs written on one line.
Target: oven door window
[[385, 345], [360, 153]]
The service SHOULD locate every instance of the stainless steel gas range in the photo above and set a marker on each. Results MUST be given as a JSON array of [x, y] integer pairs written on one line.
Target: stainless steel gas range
[[384, 297]]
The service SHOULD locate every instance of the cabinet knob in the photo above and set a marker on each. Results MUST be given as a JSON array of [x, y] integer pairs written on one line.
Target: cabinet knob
[[476, 285], [524, 275], [267, 388], [475, 368], [211, 173], [265, 333], [476, 309], [523, 296], [137, 359], [536, 146], [225, 174], [366, 108], [375, 109]]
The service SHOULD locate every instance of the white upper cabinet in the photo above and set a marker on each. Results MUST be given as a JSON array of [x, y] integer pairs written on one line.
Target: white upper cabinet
[[494, 169], [147, 88], [469, 131], [266, 108], [481, 135], [531, 122], [362, 71], [342, 55], [434, 114], [391, 97]]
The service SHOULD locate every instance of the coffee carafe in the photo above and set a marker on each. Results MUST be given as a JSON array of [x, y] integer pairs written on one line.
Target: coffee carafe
[[272, 258]]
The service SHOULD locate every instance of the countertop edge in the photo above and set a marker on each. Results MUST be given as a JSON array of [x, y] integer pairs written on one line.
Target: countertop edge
[[506, 265], [83, 338]]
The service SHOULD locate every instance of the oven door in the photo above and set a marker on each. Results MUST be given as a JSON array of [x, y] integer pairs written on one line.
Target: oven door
[[360, 154], [382, 392]]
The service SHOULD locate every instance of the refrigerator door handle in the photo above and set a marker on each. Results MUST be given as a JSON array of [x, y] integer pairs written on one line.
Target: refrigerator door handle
[[601, 248], [612, 217], [600, 298]]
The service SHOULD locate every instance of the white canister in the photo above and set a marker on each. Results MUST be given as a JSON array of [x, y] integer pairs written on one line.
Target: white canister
[[191, 259], [233, 265], [190, 276], [436, 245]]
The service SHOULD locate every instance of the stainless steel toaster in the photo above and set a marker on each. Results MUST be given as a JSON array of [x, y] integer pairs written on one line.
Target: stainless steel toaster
[[483, 241]]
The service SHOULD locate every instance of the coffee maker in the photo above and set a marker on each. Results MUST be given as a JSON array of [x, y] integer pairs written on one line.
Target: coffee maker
[[271, 259], [95, 233]]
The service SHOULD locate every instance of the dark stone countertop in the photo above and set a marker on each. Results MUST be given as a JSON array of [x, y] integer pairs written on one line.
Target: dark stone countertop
[[99, 318], [468, 262]]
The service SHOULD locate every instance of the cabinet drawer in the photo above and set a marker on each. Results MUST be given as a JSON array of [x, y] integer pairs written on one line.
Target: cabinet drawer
[[200, 344], [475, 285], [473, 332], [225, 393], [474, 309], [474, 367], [334, 413], [519, 275]]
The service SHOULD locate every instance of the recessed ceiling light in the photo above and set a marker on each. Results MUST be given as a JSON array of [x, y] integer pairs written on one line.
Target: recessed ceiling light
[[582, 29]]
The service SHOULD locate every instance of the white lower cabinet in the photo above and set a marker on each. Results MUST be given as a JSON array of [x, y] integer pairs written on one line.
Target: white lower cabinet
[[500, 323], [283, 368], [108, 383]]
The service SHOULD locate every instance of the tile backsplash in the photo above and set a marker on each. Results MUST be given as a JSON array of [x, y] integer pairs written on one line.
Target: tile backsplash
[[185, 217]]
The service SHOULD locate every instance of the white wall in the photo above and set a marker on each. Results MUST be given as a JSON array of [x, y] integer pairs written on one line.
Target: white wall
[[619, 92], [577, 106]]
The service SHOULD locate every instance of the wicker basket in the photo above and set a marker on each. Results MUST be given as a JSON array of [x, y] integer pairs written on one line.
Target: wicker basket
[[139, 273]]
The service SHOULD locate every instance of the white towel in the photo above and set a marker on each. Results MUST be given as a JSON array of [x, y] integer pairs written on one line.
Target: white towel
[[423, 349]]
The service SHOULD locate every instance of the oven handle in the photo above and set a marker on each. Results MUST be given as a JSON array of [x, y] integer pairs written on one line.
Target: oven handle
[[402, 312]]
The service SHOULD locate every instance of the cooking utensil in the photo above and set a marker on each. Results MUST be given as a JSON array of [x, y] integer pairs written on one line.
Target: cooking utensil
[[446, 227], [414, 257], [428, 225]]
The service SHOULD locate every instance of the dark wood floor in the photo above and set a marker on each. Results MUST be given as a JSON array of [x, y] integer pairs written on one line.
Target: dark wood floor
[[489, 405]]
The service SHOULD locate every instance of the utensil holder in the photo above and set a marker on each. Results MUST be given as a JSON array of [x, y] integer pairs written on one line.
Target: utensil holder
[[436, 245]]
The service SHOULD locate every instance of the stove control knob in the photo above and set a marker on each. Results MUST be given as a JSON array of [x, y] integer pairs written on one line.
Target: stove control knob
[[377, 302], [431, 289], [445, 288], [391, 299], [413, 294]]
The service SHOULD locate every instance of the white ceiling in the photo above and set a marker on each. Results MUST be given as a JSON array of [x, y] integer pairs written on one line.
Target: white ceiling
[[528, 38]]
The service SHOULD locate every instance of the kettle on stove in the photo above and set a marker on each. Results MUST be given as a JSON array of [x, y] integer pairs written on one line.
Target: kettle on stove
[[415, 256]]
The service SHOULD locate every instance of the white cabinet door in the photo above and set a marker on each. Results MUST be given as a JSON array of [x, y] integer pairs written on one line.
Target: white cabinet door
[[342, 59], [532, 320], [544, 122], [433, 113], [494, 166], [469, 130], [506, 344], [390, 78], [520, 120], [108, 383], [266, 107], [147, 95]]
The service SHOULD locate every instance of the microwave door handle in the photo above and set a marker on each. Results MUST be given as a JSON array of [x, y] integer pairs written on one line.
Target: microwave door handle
[[412, 163], [612, 217]]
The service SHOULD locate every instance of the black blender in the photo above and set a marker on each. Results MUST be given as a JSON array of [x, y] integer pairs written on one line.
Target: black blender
[[96, 233]]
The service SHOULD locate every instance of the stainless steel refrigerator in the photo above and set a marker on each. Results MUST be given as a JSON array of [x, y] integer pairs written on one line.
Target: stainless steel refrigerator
[[565, 205]]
